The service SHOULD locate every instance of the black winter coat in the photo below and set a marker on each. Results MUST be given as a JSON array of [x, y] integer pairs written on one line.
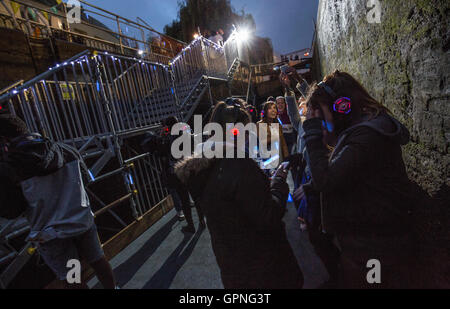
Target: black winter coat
[[244, 214], [367, 199], [364, 184]]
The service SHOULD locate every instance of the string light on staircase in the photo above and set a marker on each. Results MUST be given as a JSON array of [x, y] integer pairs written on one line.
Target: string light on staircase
[[199, 44]]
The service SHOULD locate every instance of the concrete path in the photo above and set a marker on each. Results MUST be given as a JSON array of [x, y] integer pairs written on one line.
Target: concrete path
[[165, 258]]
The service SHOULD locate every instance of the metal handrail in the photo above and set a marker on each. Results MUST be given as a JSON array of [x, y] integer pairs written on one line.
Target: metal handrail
[[76, 34], [91, 100], [4, 90], [118, 34], [132, 22], [41, 76]]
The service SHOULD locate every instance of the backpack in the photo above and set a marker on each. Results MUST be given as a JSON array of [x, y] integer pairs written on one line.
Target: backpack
[[58, 205]]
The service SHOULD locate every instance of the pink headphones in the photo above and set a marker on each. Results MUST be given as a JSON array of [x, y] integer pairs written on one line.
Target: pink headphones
[[341, 105]]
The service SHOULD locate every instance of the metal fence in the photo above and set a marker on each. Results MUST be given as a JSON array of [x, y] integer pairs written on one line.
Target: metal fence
[[97, 101], [93, 29]]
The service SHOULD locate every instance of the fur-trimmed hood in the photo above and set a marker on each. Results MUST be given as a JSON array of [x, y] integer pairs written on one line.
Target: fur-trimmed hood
[[191, 167]]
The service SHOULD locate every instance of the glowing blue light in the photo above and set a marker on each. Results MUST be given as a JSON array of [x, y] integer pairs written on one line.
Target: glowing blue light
[[91, 175], [271, 160], [98, 86], [290, 199], [328, 126], [130, 179]]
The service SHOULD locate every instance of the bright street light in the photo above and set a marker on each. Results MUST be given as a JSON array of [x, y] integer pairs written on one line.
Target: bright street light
[[243, 35]]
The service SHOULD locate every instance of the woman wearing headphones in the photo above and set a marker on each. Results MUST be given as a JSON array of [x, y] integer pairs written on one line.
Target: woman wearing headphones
[[366, 194], [274, 136], [244, 212]]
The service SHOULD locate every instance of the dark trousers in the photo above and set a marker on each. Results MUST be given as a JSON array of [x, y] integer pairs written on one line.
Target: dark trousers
[[328, 253], [396, 254], [175, 184]]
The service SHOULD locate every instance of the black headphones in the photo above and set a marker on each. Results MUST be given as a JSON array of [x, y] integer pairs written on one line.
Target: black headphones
[[341, 105], [237, 106]]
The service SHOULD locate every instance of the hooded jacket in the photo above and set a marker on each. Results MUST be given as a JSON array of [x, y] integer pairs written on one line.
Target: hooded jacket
[[244, 214], [25, 159], [364, 184], [48, 184]]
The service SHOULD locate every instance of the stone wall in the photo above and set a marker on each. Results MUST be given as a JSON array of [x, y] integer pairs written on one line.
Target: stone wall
[[404, 62]]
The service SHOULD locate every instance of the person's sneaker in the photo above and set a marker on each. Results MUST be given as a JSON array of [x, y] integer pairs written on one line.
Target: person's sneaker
[[202, 224], [180, 216], [303, 227], [188, 229]]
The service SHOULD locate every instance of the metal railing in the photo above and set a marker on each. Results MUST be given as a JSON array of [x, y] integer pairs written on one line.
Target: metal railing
[[96, 101], [93, 30]]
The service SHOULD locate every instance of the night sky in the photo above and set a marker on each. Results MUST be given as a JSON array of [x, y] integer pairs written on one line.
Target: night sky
[[289, 23]]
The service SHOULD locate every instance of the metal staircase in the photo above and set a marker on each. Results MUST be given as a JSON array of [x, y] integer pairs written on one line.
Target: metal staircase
[[96, 101]]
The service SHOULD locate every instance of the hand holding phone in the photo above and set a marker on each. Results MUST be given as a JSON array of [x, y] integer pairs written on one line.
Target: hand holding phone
[[283, 170]]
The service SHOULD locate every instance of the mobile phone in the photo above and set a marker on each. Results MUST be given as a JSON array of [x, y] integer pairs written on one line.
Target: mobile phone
[[286, 165], [303, 89]]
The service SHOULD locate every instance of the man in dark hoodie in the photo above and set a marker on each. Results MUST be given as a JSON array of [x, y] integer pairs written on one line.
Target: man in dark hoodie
[[162, 146], [43, 180], [366, 195]]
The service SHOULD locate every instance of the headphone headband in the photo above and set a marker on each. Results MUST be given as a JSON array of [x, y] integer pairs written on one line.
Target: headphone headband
[[327, 89], [341, 105]]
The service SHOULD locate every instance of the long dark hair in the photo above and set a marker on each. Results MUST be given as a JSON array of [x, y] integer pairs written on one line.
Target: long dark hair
[[224, 114], [345, 85], [266, 108]]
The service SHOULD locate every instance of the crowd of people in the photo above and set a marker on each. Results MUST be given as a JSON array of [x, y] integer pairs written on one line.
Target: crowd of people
[[350, 188]]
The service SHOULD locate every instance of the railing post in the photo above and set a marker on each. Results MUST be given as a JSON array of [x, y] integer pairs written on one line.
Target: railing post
[[119, 31], [175, 94], [11, 13], [249, 83], [143, 39], [67, 21], [205, 56], [114, 134]]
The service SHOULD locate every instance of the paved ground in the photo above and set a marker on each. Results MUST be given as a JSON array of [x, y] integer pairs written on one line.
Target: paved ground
[[165, 258]]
